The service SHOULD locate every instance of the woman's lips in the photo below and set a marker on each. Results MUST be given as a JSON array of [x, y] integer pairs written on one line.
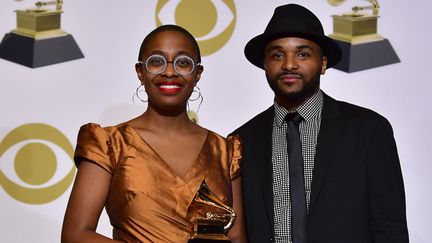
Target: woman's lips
[[170, 87]]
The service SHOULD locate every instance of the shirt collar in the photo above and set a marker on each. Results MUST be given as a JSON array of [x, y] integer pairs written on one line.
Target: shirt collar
[[308, 110]]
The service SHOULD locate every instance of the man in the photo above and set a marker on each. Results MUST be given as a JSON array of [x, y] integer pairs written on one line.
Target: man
[[331, 174]]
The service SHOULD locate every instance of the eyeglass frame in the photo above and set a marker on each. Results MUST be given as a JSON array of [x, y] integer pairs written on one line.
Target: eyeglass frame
[[194, 66]]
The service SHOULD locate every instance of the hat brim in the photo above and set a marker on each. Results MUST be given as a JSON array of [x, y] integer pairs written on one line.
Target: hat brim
[[254, 49]]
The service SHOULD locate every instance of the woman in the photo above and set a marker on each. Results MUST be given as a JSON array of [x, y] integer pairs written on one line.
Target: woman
[[147, 171]]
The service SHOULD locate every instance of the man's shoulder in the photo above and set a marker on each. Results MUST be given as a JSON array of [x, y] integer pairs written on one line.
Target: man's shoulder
[[352, 111], [257, 121]]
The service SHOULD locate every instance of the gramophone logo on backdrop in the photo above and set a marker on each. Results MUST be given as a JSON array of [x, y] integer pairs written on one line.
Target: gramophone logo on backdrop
[[38, 39], [356, 33], [36, 163], [212, 22]]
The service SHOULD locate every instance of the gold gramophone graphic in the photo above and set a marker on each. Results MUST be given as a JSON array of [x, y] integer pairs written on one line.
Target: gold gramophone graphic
[[38, 39], [356, 33], [216, 224]]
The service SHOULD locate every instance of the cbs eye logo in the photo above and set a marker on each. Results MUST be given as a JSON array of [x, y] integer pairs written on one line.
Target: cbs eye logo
[[211, 22], [35, 163]]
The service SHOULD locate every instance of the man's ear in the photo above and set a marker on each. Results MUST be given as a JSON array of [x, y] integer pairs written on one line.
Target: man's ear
[[199, 70], [323, 65]]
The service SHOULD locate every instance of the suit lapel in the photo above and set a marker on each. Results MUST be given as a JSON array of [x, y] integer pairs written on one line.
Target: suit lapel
[[262, 144], [328, 139]]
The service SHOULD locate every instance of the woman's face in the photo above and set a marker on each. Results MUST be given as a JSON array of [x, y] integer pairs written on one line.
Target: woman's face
[[168, 90]]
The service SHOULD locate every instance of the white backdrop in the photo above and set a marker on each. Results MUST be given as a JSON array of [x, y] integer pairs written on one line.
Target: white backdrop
[[99, 88]]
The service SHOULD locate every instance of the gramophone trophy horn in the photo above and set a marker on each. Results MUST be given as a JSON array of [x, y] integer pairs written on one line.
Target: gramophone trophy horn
[[38, 39], [215, 225], [58, 4], [356, 33], [374, 7]]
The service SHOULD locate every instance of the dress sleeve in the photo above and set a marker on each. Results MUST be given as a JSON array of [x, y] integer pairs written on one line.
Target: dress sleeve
[[94, 145], [236, 148]]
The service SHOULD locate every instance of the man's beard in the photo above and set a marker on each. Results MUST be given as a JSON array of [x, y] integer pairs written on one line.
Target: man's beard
[[310, 87]]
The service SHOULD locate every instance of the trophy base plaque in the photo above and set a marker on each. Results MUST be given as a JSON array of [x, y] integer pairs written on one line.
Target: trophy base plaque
[[34, 53], [357, 57], [209, 231]]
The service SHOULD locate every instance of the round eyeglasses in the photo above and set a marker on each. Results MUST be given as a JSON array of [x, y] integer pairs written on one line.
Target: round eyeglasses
[[156, 64]]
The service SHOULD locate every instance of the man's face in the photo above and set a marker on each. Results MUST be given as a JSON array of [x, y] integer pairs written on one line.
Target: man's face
[[293, 67]]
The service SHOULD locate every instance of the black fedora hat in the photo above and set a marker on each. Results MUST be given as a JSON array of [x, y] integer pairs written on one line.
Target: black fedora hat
[[295, 21]]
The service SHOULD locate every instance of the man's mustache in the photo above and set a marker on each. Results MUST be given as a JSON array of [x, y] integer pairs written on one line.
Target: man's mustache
[[280, 75]]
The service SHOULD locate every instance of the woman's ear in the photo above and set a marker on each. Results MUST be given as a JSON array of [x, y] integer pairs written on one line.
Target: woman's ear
[[139, 73], [199, 70]]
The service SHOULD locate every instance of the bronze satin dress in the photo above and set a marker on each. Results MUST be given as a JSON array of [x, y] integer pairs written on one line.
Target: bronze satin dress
[[147, 201]]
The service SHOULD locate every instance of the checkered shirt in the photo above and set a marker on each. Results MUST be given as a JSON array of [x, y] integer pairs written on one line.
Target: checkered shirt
[[308, 128]]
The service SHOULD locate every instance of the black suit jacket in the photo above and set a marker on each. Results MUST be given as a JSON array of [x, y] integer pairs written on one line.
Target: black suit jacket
[[357, 193]]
